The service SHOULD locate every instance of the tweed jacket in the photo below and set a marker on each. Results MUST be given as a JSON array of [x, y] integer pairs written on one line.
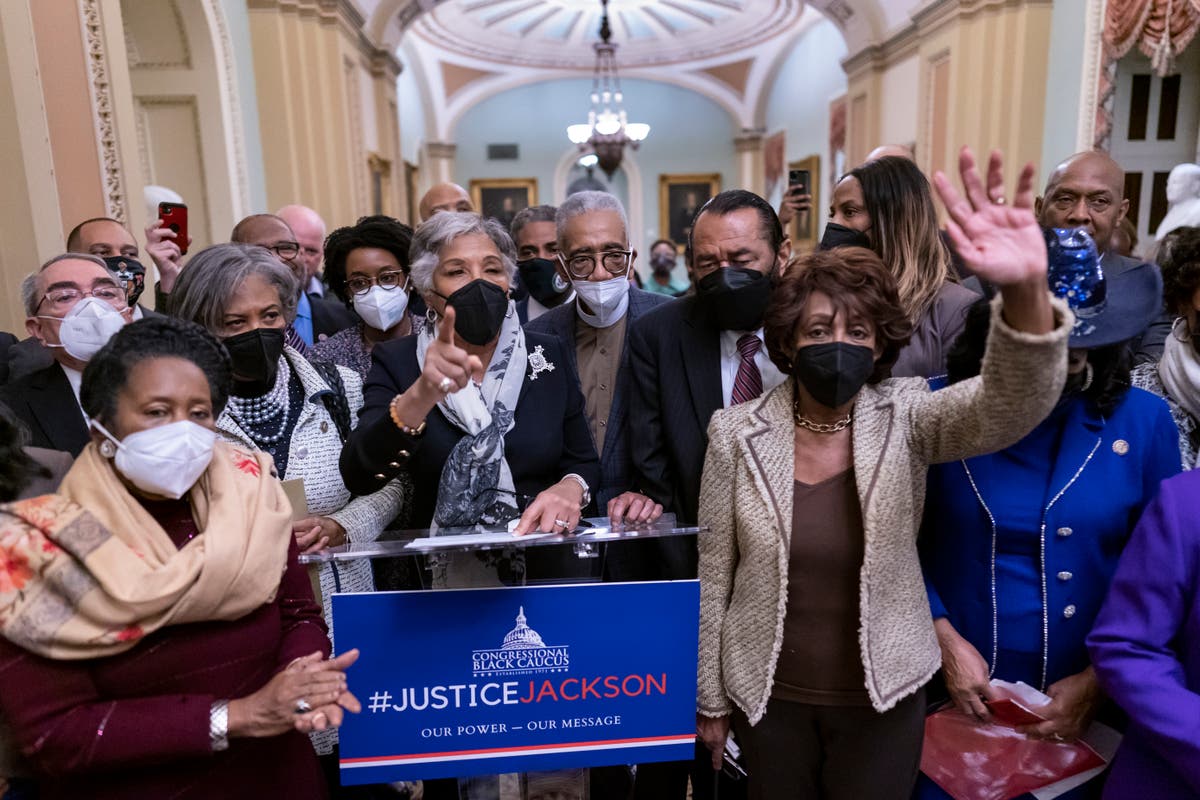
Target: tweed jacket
[[899, 428]]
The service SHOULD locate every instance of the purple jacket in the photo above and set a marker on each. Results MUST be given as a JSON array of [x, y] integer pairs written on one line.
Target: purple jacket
[[1145, 647]]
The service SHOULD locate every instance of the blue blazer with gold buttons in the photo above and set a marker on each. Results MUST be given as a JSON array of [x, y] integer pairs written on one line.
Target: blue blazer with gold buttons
[[1104, 472]]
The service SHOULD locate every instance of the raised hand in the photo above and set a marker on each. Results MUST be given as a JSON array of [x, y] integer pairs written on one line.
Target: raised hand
[[449, 367], [166, 254], [1001, 243]]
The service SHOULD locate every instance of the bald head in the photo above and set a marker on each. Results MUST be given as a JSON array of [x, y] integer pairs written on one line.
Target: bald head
[[1085, 191], [309, 229], [271, 232], [444, 197], [885, 150]]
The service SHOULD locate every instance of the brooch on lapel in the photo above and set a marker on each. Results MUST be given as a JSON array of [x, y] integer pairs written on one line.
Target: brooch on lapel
[[538, 363]]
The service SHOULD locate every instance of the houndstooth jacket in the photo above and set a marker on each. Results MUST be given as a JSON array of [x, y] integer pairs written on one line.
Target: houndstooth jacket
[[899, 428]]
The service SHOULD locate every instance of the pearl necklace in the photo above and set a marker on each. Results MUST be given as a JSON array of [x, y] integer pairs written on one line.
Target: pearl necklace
[[820, 427], [256, 411]]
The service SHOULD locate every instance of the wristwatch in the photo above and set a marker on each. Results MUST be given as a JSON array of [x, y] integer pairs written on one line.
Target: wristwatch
[[587, 493], [218, 726]]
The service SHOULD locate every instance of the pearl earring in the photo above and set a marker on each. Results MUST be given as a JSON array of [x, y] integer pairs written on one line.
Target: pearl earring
[[108, 449]]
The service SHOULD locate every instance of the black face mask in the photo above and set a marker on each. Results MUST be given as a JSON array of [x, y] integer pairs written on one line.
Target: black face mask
[[840, 236], [479, 310], [254, 357], [662, 264], [735, 298], [132, 275], [541, 278], [833, 372]]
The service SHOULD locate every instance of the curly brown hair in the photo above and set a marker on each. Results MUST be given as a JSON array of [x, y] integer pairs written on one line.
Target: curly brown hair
[[858, 284], [1179, 260]]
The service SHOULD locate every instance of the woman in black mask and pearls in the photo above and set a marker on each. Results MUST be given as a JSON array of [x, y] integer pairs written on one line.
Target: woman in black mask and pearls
[[815, 632], [486, 418]]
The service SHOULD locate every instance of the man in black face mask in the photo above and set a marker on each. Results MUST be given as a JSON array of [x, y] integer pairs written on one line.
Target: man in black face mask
[[534, 235], [687, 359]]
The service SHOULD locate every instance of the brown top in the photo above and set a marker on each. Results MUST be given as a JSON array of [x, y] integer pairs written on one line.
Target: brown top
[[820, 662], [599, 352]]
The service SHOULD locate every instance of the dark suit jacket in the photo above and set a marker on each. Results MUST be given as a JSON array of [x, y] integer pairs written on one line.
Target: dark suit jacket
[[46, 406], [615, 464], [1149, 346], [549, 437], [29, 355], [330, 316], [7, 340]]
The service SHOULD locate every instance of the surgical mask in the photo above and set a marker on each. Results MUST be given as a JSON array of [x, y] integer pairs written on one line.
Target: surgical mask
[[735, 298], [607, 300], [479, 310], [87, 327], [833, 372], [540, 277], [382, 308], [840, 236], [132, 275], [165, 461], [254, 358]]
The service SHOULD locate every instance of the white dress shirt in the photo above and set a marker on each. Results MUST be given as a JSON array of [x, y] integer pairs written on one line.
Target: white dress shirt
[[75, 378], [731, 359]]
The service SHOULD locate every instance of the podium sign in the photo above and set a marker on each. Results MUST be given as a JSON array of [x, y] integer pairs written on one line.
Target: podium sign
[[482, 681]]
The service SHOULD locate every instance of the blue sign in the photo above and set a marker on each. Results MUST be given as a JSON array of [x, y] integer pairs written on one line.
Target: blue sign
[[483, 681]]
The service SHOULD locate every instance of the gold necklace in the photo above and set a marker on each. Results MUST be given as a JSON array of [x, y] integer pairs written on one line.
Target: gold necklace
[[820, 427]]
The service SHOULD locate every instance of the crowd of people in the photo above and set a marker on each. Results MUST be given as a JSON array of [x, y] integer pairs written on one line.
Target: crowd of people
[[926, 459]]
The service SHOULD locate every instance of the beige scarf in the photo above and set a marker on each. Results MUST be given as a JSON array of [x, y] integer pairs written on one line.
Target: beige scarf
[[88, 572]]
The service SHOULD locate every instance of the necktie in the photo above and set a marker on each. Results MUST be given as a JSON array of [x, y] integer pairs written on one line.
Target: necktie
[[747, 384], [293, 340]]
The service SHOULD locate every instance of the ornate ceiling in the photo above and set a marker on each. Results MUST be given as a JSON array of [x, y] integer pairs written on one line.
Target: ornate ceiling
[[558, 34]]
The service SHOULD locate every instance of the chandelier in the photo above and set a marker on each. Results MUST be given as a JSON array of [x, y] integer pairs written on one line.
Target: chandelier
[[607, 131]]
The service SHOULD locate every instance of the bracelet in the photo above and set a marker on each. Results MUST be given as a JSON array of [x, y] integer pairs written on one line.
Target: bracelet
[[218, 726], [405, 429], [587, 493]]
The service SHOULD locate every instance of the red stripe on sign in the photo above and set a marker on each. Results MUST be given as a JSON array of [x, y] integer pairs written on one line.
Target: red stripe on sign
[[682, 738]]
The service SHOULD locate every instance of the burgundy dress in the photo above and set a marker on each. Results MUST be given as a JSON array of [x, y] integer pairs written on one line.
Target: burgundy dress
[[135, 725]]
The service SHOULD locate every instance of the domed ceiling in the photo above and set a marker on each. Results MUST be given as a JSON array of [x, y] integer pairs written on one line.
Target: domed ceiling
[[558, 34]]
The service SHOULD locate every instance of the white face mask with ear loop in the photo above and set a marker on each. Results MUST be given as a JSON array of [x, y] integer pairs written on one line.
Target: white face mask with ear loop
[[382, 308], [87, 327], [608, 300], [166, 460]]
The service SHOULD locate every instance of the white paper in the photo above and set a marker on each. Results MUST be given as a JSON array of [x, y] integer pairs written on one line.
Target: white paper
[[1101, 738], [452, 542]]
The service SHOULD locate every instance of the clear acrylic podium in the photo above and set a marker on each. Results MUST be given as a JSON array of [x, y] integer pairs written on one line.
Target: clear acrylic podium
[[458, 558]]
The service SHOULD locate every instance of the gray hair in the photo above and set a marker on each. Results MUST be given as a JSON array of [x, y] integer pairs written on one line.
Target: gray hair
[[531, 214], [443, 228], [586, 203], [30, 296], [212, 276]]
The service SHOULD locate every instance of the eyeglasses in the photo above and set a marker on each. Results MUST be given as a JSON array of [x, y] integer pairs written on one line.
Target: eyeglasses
[[386, 280], [113, 295], [615, 262], [285, 249]]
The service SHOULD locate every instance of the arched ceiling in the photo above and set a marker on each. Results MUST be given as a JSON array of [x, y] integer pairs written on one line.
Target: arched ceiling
[[559, 33]]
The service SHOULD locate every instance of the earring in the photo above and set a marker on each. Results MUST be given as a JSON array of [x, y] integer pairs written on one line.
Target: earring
[[1088, 374], [431, 316], [108, 449]]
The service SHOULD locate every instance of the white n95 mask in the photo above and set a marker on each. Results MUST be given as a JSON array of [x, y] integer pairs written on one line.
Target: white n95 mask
[[87, 327], [608, 300], [382, 308], [166, 460]]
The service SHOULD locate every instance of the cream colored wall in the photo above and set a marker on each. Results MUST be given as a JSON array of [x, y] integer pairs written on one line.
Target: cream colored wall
[[899, 116], [326, 107], [994, 54]]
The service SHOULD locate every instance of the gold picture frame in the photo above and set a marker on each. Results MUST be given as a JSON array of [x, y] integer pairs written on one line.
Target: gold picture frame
[[502, 198], [679, 198], [803, 231]]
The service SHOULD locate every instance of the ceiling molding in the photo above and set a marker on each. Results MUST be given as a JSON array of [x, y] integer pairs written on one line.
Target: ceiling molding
[[456, 77], [735, 74]]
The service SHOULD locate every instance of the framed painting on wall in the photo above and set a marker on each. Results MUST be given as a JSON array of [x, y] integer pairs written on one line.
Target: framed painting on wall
[[679, 198], [803, 231], [502, 198]]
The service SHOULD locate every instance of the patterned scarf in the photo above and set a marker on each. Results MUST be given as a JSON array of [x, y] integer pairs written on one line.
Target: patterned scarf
[[476, 486], [88, 572]]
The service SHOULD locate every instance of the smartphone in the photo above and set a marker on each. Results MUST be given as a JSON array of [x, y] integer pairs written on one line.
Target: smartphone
[[174, 216], [801, 178]]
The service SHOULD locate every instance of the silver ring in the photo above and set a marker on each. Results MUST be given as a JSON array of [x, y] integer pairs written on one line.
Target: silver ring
[[999, 200], [562, 523], [445, 385], [302, 706]]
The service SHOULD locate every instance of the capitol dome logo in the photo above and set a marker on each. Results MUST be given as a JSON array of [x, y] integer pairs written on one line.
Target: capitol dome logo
[[522, 653]]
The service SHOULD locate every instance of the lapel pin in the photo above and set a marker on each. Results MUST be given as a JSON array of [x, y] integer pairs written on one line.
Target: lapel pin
[[538, 363], [1120, 447]]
